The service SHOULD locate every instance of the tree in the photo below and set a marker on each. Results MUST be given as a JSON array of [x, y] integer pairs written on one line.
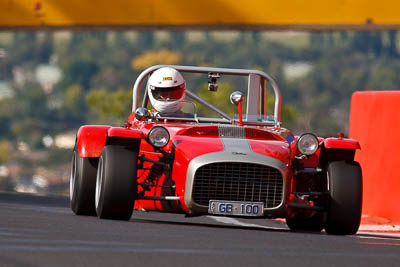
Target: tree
[[5, 151], [178, 39], [392, 44], [109, 107], [73, 108], [220, 99], [79, 72], [150, 58], [145, 40]]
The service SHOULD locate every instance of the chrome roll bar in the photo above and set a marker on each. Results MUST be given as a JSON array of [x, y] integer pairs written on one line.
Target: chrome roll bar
[[192, 69]]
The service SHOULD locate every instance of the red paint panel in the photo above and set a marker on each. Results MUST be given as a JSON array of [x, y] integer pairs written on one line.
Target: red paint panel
[[275, 149], [261, 134], [91, 140], [124, 132], [341, 143], [188, 148], [375, 123], [201, 131]]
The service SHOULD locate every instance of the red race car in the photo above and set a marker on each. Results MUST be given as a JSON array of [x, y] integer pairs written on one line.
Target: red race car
[[170, 158]]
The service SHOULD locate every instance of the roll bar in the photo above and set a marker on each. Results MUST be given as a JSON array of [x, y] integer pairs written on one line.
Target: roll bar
[[252, 97]]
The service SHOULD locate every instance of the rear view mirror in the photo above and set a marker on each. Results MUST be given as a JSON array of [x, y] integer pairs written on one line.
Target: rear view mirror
[[141, 113]]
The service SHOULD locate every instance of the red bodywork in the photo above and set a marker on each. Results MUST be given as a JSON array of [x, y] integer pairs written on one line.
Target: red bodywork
[[189, 140], [190, 156]]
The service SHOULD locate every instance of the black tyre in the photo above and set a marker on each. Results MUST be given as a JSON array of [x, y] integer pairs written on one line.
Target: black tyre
[[116, 186], [83, 184], [345, 203], [306, 222]]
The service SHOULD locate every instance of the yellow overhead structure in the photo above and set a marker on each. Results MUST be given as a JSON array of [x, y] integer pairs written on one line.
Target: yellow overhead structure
[[202, 14]]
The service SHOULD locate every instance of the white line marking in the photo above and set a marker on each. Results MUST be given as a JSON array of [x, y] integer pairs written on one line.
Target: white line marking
[[372, 230], [378, 235], [381, 227], [229, 220]]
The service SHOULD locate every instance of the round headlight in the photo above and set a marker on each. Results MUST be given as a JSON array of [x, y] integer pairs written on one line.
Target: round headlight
[[307, 144], [158, 136]]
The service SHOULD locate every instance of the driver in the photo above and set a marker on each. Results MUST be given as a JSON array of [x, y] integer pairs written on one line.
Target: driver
[[167, 90]]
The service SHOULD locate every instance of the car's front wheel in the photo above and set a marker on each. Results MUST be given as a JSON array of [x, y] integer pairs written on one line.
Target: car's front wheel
[[345, 202], [82, 184], [116, 186]]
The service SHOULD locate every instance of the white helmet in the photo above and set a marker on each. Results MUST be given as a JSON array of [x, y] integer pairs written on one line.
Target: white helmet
[[166, 90]]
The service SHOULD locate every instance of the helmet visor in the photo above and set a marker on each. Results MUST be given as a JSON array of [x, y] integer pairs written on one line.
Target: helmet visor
[[169, 93]]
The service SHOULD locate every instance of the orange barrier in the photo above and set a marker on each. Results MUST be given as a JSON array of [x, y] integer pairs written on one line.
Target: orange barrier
[[375, 123], [230, 14]]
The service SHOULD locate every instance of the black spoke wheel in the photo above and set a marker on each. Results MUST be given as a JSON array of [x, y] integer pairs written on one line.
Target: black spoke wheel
[[306, 222], [82, 184], [116, 185], [345, 203]]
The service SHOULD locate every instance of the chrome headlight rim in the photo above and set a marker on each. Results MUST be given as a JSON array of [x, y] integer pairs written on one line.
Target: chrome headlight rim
[[303, 138], [155, 140]]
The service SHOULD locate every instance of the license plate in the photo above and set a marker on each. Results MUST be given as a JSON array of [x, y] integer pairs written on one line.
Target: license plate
[[238, 208]]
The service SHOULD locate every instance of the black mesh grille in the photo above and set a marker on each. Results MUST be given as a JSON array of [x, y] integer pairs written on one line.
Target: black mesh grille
[[238, 181], [231, 131]]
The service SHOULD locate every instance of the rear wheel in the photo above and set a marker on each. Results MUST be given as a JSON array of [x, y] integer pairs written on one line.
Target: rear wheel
[[116, 187], [345, 203], [306, 222], [82, 184]]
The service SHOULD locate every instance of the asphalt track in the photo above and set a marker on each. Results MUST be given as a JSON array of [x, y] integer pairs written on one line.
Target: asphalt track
[[42, 231]]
